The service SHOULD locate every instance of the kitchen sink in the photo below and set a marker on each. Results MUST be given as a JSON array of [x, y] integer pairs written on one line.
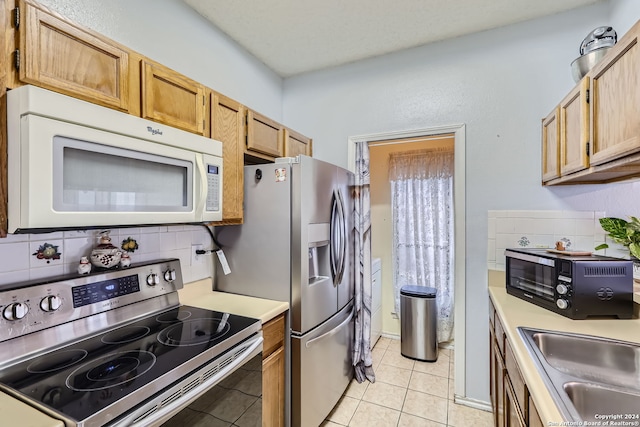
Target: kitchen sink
[[591, 358], [586, 375], [592, 399]]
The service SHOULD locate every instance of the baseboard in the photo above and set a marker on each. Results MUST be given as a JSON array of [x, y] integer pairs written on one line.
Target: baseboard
[[473, 403]]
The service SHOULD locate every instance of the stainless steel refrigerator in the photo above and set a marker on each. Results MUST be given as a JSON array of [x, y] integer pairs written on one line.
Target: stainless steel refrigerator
[[296, 245]]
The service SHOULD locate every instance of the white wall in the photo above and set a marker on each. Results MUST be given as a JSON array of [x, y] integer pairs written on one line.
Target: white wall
[[500, 83], [170, 32]]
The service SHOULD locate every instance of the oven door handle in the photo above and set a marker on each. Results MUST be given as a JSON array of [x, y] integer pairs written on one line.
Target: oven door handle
[[163, 414]]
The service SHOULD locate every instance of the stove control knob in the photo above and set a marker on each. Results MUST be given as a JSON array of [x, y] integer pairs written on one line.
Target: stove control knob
[[562, 304], [153, 279], [170, 275], [50, 303], [15, 311], [562, 289]]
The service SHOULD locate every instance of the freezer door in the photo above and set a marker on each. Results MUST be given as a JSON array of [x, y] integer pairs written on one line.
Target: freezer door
[[321, 368]]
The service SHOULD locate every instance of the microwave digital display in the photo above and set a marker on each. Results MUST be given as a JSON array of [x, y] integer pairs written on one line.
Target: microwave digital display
[[212, 169]]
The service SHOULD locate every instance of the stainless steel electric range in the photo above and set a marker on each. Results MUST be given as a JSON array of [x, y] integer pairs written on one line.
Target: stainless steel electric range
[[116, 348]]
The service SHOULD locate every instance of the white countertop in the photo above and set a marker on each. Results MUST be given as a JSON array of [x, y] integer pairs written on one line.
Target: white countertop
[[514, 312], [17, 413], [200, 294]]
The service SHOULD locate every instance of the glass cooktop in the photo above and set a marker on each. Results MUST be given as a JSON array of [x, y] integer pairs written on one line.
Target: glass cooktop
[[88, 376]]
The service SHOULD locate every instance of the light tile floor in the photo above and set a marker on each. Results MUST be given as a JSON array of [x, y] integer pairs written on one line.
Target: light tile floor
[[406, 393]]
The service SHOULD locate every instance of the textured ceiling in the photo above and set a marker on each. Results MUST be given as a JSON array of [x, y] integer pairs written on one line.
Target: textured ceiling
[[298, 36]]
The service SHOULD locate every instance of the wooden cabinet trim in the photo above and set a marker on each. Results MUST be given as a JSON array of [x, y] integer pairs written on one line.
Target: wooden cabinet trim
[[59, 76]]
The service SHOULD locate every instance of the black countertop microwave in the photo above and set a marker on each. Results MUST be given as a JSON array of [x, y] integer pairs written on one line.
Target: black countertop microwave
[[576, 287]]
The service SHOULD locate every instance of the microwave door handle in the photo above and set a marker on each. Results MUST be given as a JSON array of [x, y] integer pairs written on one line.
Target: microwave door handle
[[201, 188]]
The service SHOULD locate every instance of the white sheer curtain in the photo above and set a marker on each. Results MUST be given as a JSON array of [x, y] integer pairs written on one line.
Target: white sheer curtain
[[422, 206]]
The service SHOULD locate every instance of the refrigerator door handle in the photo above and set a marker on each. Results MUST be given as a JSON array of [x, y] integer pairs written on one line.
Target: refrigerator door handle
[[331, 332], [333, 250], [338, 242]]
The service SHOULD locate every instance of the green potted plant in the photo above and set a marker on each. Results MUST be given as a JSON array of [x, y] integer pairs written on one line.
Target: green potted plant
[[626, 233]]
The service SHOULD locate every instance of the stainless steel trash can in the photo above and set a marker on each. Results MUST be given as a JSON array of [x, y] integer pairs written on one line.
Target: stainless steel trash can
[[418, 323]]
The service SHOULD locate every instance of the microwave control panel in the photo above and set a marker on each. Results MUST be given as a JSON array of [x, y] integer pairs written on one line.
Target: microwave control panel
[[213, 188]]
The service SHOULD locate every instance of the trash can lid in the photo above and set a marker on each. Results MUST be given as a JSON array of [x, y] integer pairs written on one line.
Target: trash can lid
[[418, 291]]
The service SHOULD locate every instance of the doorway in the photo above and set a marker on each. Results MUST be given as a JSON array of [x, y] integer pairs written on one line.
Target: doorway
[[379, 146]]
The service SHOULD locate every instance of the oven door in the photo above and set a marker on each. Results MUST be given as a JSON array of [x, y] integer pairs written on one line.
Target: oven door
[[227, 390], [531, 276]]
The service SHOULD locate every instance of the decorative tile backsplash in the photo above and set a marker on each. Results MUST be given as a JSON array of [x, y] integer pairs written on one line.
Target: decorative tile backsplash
[[34, 256], [579, 230]]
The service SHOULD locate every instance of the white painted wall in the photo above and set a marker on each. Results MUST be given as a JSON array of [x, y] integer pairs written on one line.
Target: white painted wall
[[170, 32], [500, 83]]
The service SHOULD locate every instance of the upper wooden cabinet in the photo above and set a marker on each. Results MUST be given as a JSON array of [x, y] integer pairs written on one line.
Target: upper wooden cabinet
[[228, 126], [600, 120], [264, 136], [171, 98], [574, 129], [551, 146], [295, 144], [59, 55], [615, 108]]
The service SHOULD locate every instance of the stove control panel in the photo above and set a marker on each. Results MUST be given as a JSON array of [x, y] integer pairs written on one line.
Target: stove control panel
[[35, 306]]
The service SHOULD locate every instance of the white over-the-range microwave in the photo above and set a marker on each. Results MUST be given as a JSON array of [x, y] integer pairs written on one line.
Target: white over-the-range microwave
[[73, 164]]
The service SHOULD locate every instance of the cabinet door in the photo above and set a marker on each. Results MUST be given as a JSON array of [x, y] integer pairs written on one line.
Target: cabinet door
[[171, 98], [68, 59], [574, 129], [534, 417], [264, 136], [492, 376], [273, 333], [513, 418], [519, 389], [273, 389], [615, 101], [551, 146], [296, 144], [499, 381], [227, 126]]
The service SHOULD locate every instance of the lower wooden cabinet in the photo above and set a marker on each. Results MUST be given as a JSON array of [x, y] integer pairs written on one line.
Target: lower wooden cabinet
[[273, 389], [512, 414], [534, 418], [510, 399], [273, 372]]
